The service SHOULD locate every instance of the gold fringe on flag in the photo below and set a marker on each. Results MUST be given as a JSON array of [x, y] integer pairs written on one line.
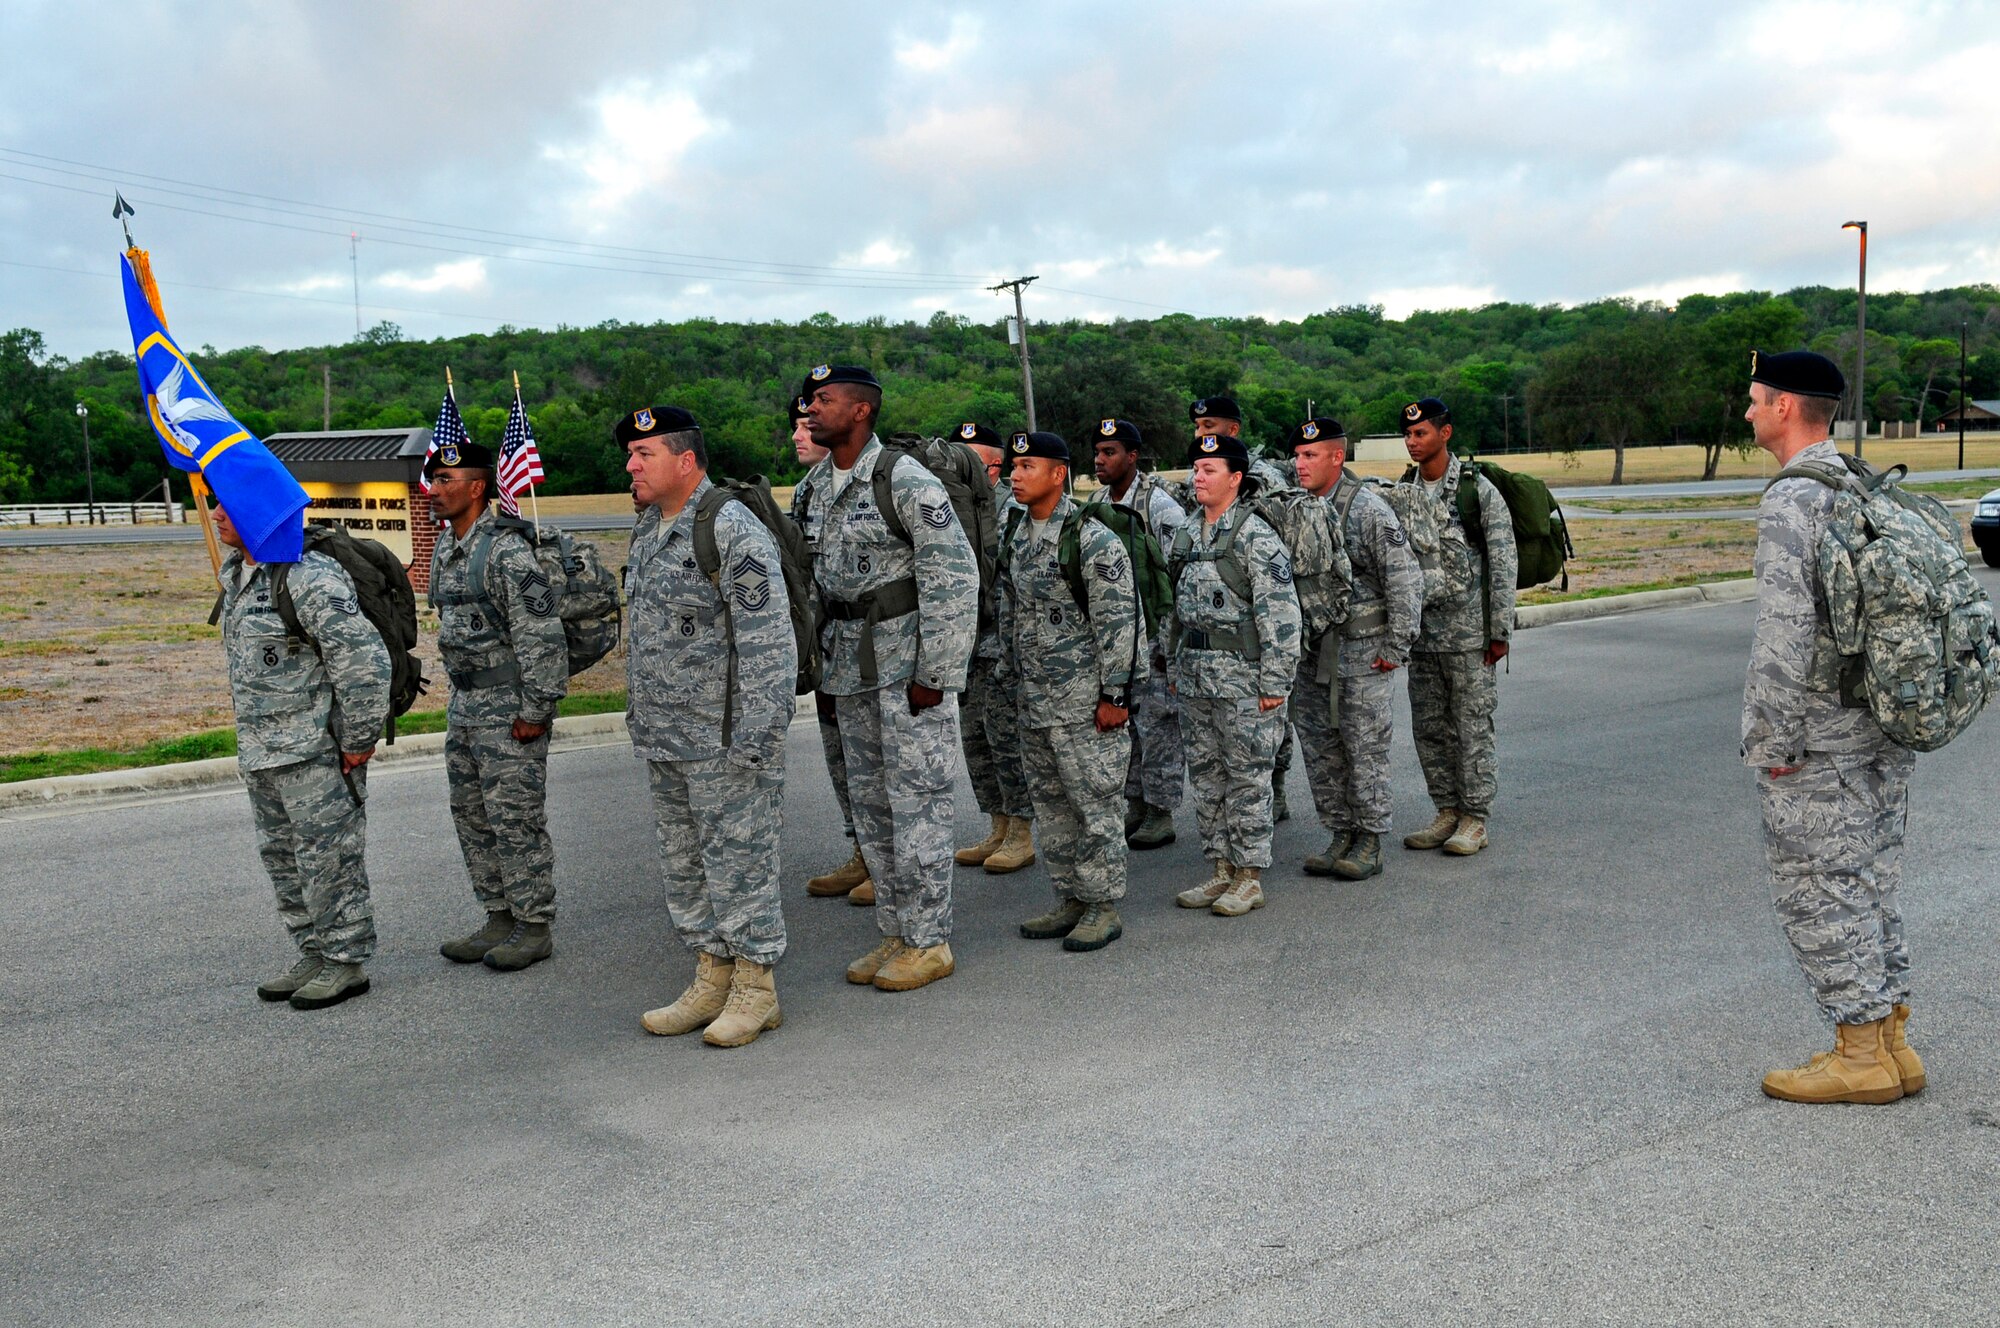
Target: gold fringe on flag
[[142, 268]]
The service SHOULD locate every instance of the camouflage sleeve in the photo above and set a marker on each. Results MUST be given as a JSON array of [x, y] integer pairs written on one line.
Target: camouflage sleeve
[[1402, 579], [760, 620], [530, 605], [1782, 644], [1113, 605], [1165, 517], [1275, 611], [1004, 610], [1503, 559], [357, 663], [947, 577]]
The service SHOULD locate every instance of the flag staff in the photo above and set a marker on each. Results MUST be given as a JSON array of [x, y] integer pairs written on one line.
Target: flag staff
[[534, 503]]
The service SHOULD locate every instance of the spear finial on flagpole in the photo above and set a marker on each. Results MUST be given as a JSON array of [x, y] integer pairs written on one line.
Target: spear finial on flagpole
[[448, 389], [120, 210]]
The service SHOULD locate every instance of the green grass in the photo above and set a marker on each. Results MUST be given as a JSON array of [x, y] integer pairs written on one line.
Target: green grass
[[1671, 583], [1956, 488], [222, 742]]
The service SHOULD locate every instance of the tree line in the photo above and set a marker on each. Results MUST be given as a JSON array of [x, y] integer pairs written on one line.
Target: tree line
[[1614, 373]]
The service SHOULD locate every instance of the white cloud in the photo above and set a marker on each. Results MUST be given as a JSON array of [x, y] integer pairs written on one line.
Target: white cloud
[[926, 57], [1401, 302], [466, 274], [1670, 292], [879, 253], [1161, 254], [308, 285], [642, 136]]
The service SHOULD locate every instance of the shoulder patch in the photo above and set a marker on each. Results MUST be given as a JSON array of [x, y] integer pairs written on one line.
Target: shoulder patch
[[345, 603], [1281, 568], [750, 588], [1396, 535], [538, 595], [938, 515], [1111, 573]]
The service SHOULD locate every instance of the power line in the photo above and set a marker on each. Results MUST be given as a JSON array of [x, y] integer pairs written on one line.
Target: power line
[[268, 295]]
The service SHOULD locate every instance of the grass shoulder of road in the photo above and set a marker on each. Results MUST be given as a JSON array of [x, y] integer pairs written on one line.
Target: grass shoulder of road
[[222, 742]]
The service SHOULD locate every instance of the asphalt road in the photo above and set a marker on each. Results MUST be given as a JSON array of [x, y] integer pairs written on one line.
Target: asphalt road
[[1516, 1089]]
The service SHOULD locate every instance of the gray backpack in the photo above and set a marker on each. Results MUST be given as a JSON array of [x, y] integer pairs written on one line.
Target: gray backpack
[[587, 593], [1915, 631], [1446, 564]]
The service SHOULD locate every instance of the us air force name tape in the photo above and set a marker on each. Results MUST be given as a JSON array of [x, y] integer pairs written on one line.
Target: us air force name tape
[[978, 435], [652, 422], [1215, 408], [456, 456], [1039, 444], [1799, 372], [1430, 408], [1318, 429], [821, 375], [1219, 446], [1123, 431]]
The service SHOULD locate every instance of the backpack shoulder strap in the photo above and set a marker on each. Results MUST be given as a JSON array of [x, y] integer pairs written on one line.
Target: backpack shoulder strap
[[707, 558], [1344, 495], [1469, 510], [885, 493], [1014, 514]]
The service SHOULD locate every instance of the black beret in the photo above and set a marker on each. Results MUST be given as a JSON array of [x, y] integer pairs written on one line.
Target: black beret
[[652, 422], [1039, 444], [1215, 408], [1798, 371], [978, 434], [467, 455], [1318, 429], [1123, 430], [1430, 408], [800, 408], [838, 373], [1219, 445]]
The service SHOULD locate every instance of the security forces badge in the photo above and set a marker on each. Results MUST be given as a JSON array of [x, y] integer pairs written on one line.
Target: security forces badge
[[1309, 430], [1019, 444], [643, 418], [968, 431], [1413, 411], [448, 454], [822, 372], [1107, 427], [1209, 443]]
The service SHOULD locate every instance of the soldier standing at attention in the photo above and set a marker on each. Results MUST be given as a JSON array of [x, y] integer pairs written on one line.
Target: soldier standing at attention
[[1834, 787], [1453, 692], [306, 723], [900, 604], [850, 879], [502, 645], [1347, 762], [1235, 648], [709, 679], [1076, 663], [1158, 768], [989, 716]]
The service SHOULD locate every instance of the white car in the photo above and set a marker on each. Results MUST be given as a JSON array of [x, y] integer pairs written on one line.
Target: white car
[[1986, 528]]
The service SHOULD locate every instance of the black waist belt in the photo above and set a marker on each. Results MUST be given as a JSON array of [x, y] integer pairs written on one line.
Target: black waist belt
[[1235, 643], [887, 601], [1367, 622], [493, 675]]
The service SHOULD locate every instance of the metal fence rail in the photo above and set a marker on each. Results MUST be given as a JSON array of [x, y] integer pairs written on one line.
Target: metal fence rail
[[88, 514]]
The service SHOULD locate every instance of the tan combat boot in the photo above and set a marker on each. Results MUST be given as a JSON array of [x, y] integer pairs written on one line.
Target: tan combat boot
[[1434, 834], [1907, 1062], [974, 854], [1244, 893], [1017, 850], [1858, 1069], [863, 895], [752, 1007], [863, 970], [841, 879], [1468, 839], [1210, 890], [701, 1002], [915, 966]]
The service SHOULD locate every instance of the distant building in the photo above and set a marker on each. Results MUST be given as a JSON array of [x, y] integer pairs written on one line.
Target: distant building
[[1978, 415], [369, 480]]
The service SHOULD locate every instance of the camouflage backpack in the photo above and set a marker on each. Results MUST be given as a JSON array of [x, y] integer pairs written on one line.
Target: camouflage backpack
[[1447, 564], [1151, 583], [586, 592], [1915, 631], [794, 557], [970, 489], [1322, 573]]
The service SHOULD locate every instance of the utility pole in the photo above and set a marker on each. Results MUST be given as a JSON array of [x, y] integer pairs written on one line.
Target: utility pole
[[1021, 339], [354, 257], [1861, 343], [1961, 395], [1505, 435], [89, 481], [325, 397]]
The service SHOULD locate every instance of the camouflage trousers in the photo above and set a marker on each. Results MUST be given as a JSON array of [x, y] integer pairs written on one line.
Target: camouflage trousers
[[836, 760], [311, 835], [980, 703], [1000, 721], [1231, 746], [499, 795], [1157, 770], [900, 775], [1079, 821], [1347, 764], [718, 828], [1452, 699], [1833, 833]]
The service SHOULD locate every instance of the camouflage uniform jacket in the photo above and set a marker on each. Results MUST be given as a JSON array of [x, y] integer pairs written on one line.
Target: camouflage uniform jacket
[[1148, 496], [1204, 603], [1388, 582], [1460, 624], [685, 649], [291, 701], [1791, 698], [1067, 658], [502, 642], [858, 553]]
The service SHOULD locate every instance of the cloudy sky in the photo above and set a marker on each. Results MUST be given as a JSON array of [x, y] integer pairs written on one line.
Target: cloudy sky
[[536, 164]]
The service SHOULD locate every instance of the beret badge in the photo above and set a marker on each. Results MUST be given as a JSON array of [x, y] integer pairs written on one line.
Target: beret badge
[[819, 375]]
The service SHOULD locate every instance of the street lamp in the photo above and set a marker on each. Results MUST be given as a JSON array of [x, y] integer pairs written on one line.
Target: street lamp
[[89, 482], [1861, 341]]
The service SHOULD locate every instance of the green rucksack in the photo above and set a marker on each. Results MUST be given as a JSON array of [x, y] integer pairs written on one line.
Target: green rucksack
[[970, 489], [1915, 631], [795, 558], [1541, 534], [1155, 589]]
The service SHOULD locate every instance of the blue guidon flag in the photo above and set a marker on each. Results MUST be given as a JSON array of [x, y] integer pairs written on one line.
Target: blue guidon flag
[[200, 436]]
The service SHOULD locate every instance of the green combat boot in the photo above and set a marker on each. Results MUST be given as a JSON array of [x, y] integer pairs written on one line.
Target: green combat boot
[[1156, 829], [1322, 864], [1056, 922], [1362, 859], [471, 949], [530, 944], [1098, 927], [1135, 812], [334, 983], [277, 989], [1281, 811]]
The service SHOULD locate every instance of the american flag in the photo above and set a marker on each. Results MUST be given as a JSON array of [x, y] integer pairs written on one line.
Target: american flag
[[448, 429], [519, 464]]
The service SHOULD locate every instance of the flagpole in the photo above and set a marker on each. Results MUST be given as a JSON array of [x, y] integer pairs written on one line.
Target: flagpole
[[534, 503]]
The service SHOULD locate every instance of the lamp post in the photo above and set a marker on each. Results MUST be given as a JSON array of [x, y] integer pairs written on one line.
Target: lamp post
[[1961, 395], [1860, 341], [89, 482]]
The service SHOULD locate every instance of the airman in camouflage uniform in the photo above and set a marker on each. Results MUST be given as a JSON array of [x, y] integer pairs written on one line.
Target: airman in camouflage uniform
[[1834, 786], [1347, 759], [307, 718], [899, 620], [1158, 768], [709, 683], [1076, 668], [1234, 656], [502, 643], [1453, 692]]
